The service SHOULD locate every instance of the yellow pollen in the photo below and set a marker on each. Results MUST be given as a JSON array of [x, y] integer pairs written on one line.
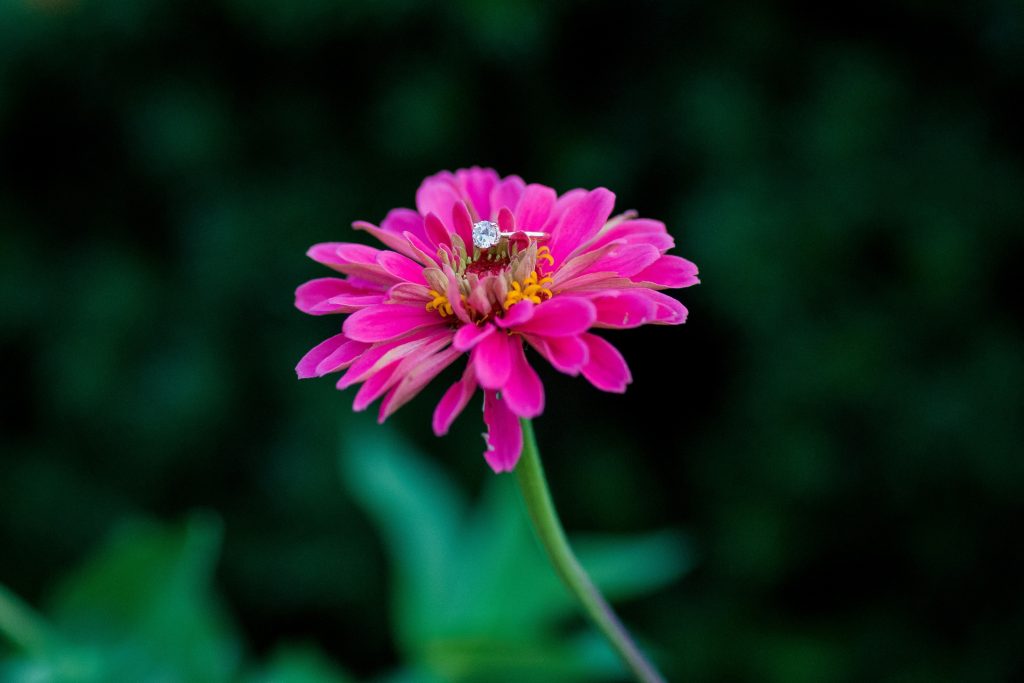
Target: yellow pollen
[[439, 304], [531, 289]]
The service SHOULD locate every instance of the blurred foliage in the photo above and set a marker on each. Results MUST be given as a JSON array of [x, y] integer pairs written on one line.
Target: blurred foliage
[[837, 428], [474, 600]]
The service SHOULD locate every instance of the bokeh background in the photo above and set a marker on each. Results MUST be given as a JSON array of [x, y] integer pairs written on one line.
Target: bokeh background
[[818, 478]]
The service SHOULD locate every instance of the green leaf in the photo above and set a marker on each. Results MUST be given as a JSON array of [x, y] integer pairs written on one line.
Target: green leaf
[[295, 664], [143, 606]]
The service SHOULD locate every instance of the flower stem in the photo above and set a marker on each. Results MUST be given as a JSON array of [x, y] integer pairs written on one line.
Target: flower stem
[[549, 528]]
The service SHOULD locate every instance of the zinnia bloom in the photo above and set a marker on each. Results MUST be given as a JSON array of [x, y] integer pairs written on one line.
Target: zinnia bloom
[[563, 269]]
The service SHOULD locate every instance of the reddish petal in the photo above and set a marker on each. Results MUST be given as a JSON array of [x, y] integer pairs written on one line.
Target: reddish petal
[[535, 207], [492, 361], [341, 358], [470, 335], [560, 317], [387, 321], [374, 386], [504, 434], [437, 233], [462, 222], [393, 240], [383, 353], [581, 222], [523, 391], [506, 221], [605, 368], [669, 271], [454, 401]]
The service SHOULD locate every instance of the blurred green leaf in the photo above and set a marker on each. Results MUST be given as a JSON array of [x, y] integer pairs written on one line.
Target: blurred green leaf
[[480, 600], [298, 665]]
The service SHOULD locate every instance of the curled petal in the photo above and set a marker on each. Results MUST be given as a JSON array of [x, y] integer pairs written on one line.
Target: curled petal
[[470, 335], [454, 401], [504, 434], [605, 368], [523, 392], [667, 311], [437, 232], [668, 271], [566, 354], [516, 315], [462, 222]]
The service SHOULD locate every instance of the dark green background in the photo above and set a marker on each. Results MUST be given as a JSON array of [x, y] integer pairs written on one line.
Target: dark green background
[[837, 428]]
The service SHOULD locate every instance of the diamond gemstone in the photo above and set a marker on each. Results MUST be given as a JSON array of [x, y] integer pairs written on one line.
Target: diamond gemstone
[[485, 234]]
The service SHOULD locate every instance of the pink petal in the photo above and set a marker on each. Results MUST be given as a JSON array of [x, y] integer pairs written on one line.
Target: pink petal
[[436, 231], [383, 353], [454, 401], [374, 386], [333, 295], [478, 183], [470, 335], [307, 366], [560, 317], [516, 315], [395, 241], [523, 391], [401, 267], [437, 194], [606, 368], [387, 321], [625, 260], [581, 222], [414, 380], [506, 195], [400, 221], [566, 354], [454, 295], [341, 358], [408, 293], [620, 309], [462, 222], [506, 221], [492, 360], [504, 434], [667, 311], [635, 231], [352, 259], [564, 203], [669, 271], [535, 207]]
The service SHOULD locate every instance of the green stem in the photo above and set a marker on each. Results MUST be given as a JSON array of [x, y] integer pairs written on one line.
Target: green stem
[[545, 520], [22, 626]]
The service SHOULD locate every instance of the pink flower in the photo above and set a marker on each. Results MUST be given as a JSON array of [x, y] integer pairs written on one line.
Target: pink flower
[[432, 296]]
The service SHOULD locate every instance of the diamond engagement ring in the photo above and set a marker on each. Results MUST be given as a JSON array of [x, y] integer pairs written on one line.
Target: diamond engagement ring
[[486, 234]]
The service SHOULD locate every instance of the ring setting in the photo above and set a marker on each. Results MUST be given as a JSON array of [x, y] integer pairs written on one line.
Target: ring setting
[[486, 234]]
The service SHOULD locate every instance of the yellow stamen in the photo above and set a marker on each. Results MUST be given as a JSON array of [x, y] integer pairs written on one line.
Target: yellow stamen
[[531, 289], [439, 304], [544, 254]]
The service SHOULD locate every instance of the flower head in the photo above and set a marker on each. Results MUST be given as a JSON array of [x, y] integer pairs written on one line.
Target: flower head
[[488, 267]]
